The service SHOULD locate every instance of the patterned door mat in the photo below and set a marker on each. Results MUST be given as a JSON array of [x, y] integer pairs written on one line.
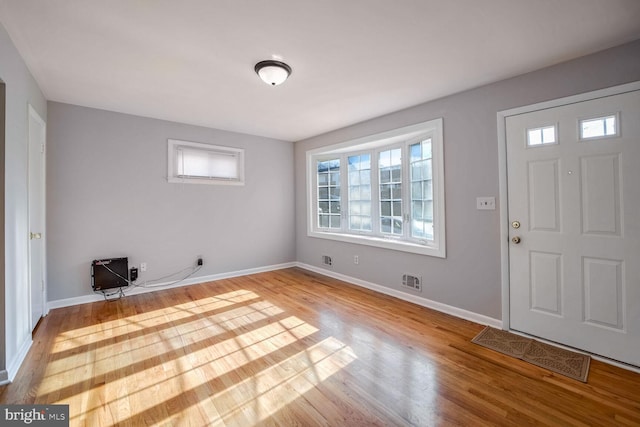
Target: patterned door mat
[[564, 362]]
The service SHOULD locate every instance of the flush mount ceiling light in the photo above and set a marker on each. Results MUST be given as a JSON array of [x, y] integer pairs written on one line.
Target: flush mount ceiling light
[[272, 72]]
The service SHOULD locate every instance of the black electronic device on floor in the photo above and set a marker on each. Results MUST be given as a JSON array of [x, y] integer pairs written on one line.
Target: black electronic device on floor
[[109, 273]]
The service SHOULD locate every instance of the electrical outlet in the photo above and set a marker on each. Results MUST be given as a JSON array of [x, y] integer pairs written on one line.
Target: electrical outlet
[[143, 266], [200, 261], [356, 260]]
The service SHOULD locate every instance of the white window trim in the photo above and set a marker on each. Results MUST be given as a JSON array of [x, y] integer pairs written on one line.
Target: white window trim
[[432, 129], [174, 144]]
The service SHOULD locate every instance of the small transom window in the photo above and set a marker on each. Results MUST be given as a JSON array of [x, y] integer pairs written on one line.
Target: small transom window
[[600, 127], [198, 163], [541, 136]]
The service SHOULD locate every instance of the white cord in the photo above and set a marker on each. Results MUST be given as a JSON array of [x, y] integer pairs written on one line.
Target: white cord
[[160, 285]]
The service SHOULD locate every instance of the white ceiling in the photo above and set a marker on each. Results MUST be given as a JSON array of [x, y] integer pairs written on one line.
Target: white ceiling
[[192, 61]]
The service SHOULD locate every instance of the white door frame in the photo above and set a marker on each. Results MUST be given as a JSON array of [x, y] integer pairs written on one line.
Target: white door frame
[[33, 114], [502, 163]]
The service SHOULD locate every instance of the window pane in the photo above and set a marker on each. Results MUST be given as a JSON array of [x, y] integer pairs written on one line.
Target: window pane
[[397, 209], [193, 162], [535, 137], [323, 193], [390, 191], [385, 225], [355, 222], [396, 191], [427, 190], [416, 190], [329, 193], [397, 225], [385, 192], [365, 176], [359, 190], [365, 208], [421, 190], [416, 171], [354, 192], [385, 208], [355, 208], [365, 192]]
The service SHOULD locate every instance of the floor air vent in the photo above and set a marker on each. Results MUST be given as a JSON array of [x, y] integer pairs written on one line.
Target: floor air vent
[[411, 282]]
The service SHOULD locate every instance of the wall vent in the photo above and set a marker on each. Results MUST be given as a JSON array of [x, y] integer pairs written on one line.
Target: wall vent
[[326, 260], [412, 282]]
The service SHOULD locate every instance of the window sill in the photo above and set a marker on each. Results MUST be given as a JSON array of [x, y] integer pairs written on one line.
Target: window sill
[[208, 181], [397, 245]]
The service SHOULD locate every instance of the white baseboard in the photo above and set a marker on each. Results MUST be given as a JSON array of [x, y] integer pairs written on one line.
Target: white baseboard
[[424, 302], [14, 365], [4, 377], [67, 302]]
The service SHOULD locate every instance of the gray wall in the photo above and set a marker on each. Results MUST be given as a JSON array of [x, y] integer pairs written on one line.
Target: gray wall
[[469, 278], [21, 90], [108, 196]]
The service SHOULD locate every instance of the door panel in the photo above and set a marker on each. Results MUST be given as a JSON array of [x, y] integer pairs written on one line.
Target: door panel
[[37, 136], [574, 275]]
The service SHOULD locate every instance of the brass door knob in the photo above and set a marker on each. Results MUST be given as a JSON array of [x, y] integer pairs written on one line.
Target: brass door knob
[[516, 239], [515, 224]]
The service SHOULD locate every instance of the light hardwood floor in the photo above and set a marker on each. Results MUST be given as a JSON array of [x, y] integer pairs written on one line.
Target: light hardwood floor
[[295, 348]]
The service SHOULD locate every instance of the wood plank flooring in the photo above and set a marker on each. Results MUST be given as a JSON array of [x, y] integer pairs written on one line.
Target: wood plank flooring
[[292, 347]]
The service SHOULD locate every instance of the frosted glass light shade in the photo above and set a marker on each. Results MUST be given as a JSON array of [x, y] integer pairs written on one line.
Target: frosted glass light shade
[[273, 73]]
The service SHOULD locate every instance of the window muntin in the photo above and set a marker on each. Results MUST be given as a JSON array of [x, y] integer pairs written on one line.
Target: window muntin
[[198, 163], [393, 190], [599, 127]]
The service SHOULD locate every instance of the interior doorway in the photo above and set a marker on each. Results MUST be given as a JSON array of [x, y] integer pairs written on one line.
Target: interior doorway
[[37, 251]]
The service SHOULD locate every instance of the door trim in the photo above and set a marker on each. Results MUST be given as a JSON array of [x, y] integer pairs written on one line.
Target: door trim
[[503, 182], [33, 114]]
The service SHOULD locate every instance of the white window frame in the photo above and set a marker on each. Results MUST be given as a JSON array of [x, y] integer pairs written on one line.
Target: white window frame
[[404, 137], [174, 145]]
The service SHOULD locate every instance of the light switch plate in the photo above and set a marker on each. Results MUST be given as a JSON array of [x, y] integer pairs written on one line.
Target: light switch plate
[[486, 203]]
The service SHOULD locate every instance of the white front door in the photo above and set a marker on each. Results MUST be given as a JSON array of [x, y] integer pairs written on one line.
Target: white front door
[[37, 137], [573, 176]]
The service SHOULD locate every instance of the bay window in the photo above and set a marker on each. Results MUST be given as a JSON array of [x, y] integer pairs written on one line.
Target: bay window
[[384, 190]]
